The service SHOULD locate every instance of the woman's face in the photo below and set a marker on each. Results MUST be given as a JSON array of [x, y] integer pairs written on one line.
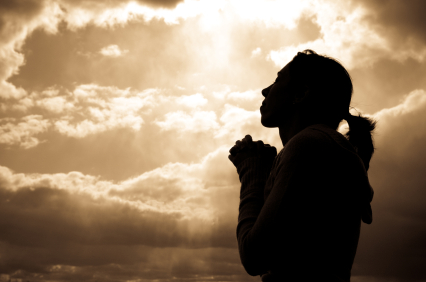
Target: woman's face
[[276, 108]]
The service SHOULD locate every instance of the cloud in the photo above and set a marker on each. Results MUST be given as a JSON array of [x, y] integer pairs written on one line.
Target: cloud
[[113, 51], [197, 121], [192, 101], [249, 95], [103, 108], [237, 122], [343, 35], [393, 246], [413, 101], [272, 13], [346, 36], [178, 194], [234, 117], [398, 19], [57, 221], [22, 132], [55, 104], [256, 52], [161, 3], [17, 20], [159, 216], [179, 220], [88, 109]]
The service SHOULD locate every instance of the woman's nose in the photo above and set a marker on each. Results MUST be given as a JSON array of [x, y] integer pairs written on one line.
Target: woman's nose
[[266, 91]]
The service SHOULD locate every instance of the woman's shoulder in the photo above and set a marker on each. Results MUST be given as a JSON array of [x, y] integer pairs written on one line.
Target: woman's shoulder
[[308, 138], [319, 136]]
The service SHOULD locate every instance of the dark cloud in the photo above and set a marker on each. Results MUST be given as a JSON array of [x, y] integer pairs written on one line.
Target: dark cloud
[[49, 228], [131, 263], [394, 246], [99, 4], [49, 217], [43, 227], [15, 15], [161, 3], [403, 18], [373, 90], [17, 7]]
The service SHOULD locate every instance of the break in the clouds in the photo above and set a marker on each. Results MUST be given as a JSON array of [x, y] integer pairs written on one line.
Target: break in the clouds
[[116, 118]]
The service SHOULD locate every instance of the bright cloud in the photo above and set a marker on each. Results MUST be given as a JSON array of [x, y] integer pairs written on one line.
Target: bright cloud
[[103, 108], [197, 121], [256, 52], [413, 101], [113, 51], [177, 206], [234, 118], [247, 95], [346, 36], [22, 131], [176, 197], [192, 101]]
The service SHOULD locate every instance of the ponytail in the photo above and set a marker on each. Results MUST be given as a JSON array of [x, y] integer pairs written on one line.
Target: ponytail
[[359, 135], [330, 87]]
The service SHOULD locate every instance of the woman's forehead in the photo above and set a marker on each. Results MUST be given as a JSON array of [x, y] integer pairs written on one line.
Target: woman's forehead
[[285, 70]]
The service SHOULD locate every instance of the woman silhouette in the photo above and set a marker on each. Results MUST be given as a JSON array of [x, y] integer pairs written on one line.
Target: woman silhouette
[[300, 211]]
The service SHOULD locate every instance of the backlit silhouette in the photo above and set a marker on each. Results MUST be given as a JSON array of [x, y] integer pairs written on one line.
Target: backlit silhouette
[[301, 210]]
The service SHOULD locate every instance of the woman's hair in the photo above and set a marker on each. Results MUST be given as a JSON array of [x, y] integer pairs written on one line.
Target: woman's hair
[[327, 92]]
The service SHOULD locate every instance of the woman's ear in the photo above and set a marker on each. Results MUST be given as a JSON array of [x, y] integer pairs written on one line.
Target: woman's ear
[[301, 96]]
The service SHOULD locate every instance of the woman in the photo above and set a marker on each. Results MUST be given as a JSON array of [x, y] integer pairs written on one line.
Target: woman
[[301, 210]]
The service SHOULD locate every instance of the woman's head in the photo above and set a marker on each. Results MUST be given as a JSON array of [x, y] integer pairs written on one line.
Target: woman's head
[[323, 87], [314, 89]]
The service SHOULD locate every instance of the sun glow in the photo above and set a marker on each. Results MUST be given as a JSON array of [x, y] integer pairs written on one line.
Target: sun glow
[[116, 120]]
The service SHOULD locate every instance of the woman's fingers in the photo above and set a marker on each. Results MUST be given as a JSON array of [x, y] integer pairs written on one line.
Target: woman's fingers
[[234, 150], [248, 148], [248, 138], [231, 158], [247, 142], [260, 144], [265, 149]]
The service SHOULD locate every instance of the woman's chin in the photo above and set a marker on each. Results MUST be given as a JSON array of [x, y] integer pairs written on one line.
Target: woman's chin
[[267, 122]]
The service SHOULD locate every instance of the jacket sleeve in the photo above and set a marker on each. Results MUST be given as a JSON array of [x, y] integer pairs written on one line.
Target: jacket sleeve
[[253, 174], [259, 225]]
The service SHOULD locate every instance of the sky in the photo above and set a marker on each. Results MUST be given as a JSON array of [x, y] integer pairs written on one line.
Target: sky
[[116, 118]]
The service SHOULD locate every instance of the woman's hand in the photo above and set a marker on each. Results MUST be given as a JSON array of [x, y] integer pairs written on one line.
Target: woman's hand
[[247, 148]]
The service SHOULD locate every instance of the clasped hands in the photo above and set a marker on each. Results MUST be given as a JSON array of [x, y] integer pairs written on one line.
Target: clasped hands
[[247, 148]]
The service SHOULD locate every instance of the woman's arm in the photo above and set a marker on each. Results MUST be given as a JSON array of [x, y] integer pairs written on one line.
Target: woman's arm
[[253, 161], [253, 174], [261, 226]]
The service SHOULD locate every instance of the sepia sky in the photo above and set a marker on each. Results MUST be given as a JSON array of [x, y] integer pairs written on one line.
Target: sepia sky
[[116, 118]]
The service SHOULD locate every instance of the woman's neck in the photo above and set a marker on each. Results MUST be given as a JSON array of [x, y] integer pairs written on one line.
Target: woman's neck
[[289, 129]]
